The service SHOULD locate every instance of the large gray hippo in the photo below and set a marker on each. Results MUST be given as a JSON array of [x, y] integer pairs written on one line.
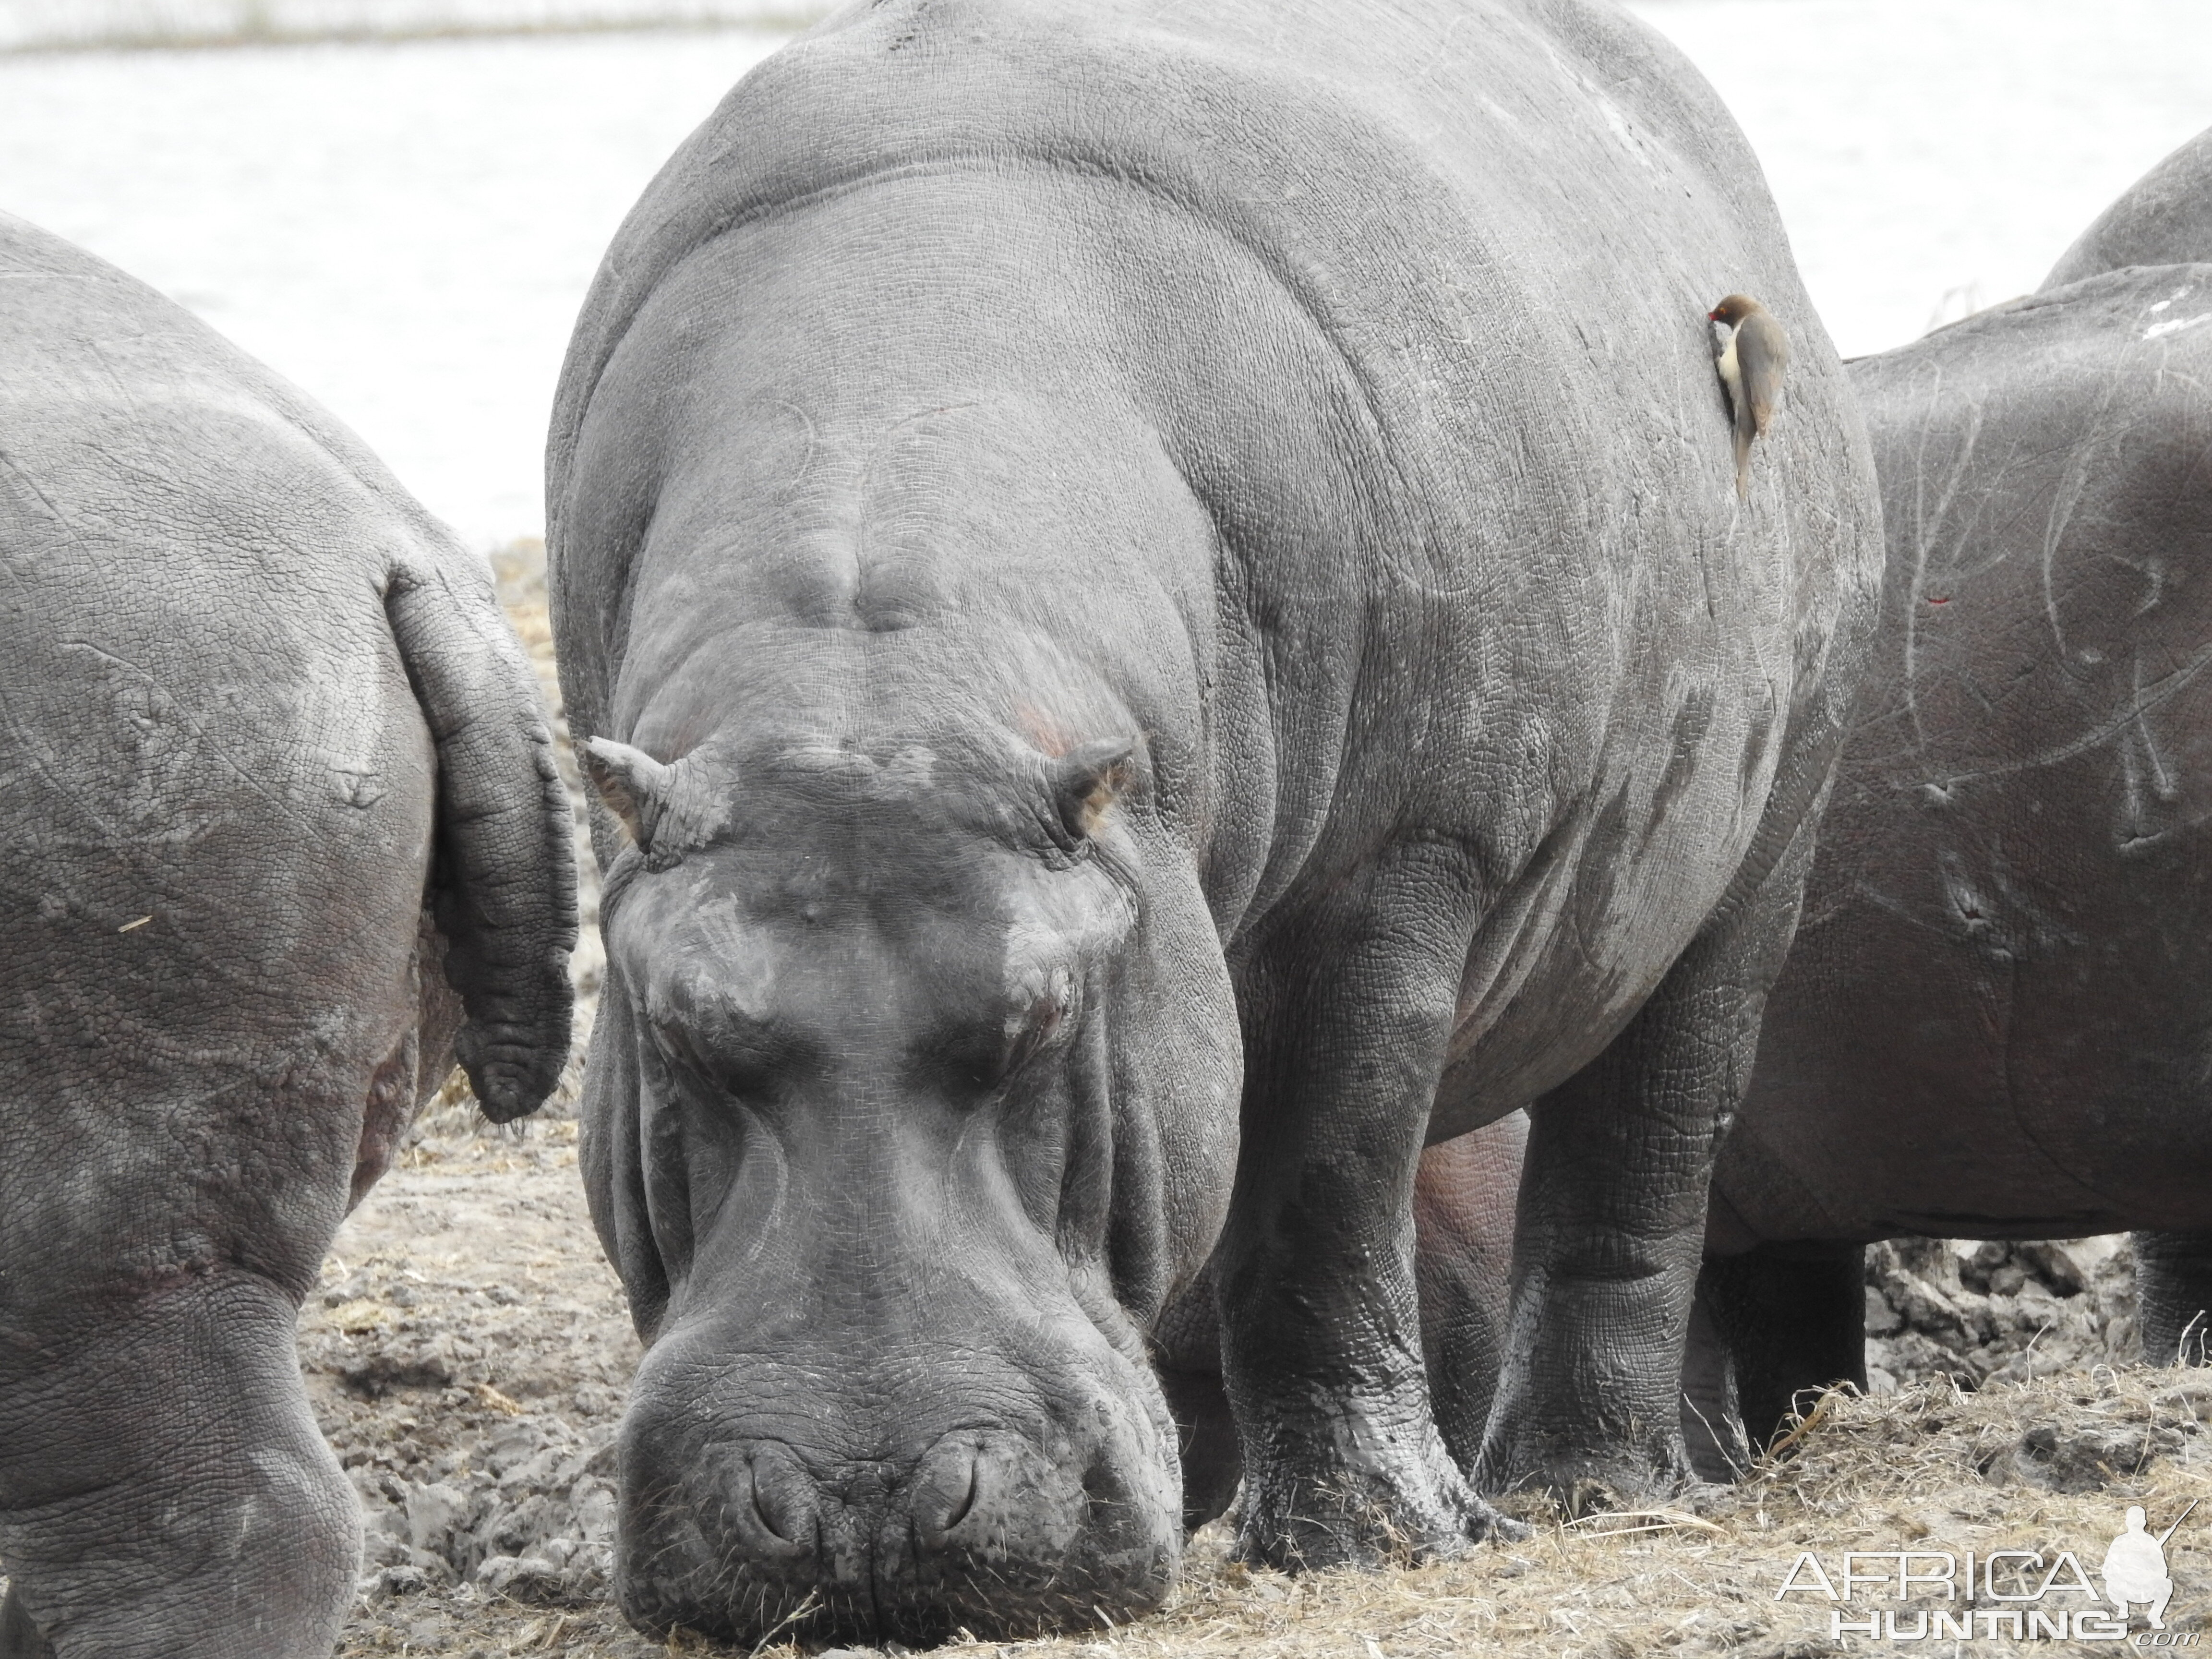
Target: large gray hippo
[[1157, 597], [1996, 1020], [2165, 218], [275, 786]]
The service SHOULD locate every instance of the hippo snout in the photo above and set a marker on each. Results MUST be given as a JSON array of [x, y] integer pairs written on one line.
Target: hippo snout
[[969, 1496], [985, 1528]]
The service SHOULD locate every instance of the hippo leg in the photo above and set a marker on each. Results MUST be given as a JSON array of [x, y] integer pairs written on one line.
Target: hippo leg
[[1611, 1223], [19, 1637], [1463, 1197], [1320, 1330], [1206, 1433], [2173, 1294], [1463, 1203], [163, 1489], [1712, 1417], [1792, 1320], [1187, 1352]]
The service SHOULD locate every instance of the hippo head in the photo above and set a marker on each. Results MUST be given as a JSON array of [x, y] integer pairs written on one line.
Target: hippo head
[[906, 1112]]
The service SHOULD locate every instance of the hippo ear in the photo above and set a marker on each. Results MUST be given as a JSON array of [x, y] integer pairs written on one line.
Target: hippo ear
[[1087, 781], [634, 785], [667, 808]]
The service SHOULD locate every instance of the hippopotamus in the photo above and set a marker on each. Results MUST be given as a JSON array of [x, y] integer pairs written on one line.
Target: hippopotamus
[[285, 835], [1156, 602], [1993, 1023], [2165, 218]]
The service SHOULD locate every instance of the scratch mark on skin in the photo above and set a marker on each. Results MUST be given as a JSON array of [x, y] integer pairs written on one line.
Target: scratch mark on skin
[[1923, 533], [200, 731], [53, 767], [2132, 795], [2159, 692], [2176, 324], [1891, 905], [2162, 781], [116, 379], [2072, 483]]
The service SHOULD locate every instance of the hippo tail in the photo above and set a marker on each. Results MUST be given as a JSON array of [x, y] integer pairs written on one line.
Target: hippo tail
[[503, 882]]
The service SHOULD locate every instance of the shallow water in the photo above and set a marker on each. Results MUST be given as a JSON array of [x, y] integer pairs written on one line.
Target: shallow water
[[407, 230]]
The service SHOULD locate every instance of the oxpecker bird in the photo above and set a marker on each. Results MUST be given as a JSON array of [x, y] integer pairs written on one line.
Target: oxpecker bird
[[1751, 368]]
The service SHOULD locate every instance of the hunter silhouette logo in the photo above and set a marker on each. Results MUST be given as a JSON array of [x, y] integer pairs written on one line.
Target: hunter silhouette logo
[[2015, 1594], [2135, 1567]]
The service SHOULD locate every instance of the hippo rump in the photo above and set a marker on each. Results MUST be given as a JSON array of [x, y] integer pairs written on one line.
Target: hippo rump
[[2165, 218], [1997, 1016], [284, 832], [1155, 597]]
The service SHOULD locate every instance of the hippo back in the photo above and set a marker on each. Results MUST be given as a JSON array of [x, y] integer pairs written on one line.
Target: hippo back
[[2165, 218]]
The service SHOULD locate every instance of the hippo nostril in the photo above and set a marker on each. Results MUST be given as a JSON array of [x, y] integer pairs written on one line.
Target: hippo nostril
[[967, 1500], [947, 1489], [1105, 1493], [782, 1495], [761, 1509]]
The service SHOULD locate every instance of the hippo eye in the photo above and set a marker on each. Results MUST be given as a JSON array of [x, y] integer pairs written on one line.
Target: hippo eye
[[985, 1060], [744, 1065], [1032, 1031]]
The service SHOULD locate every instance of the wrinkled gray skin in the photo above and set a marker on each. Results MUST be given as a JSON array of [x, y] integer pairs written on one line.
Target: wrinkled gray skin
[[250, 696], [1165, 610], [1995, 1022], [2164, 219]]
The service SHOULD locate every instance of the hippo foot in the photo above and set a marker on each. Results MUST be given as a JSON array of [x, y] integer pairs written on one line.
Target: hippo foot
[[1396, 1515], [1588, 1480]]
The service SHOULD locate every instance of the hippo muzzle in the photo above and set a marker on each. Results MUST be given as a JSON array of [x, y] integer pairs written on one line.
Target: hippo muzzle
[[751, 1522]]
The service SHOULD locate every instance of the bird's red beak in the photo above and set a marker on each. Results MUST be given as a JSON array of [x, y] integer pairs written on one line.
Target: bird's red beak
[[1713, 316]]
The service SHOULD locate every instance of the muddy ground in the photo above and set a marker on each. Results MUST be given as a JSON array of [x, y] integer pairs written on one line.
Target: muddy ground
[[468, 1348]]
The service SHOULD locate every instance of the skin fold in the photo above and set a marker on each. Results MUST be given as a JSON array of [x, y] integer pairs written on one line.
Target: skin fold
[[1158, 602], [285, 835]]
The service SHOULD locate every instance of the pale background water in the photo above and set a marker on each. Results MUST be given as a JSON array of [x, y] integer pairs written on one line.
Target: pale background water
[[406, 230]]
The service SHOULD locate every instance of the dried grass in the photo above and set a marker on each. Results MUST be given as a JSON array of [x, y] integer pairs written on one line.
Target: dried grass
[[1928, 1467]]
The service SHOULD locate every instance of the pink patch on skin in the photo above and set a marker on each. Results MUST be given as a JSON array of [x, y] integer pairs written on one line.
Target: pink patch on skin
[[1047, 733]]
